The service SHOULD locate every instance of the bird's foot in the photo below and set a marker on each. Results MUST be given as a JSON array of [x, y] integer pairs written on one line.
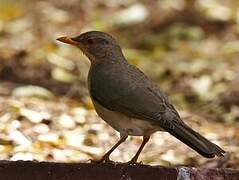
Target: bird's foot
[[102, 160], [134, 162]]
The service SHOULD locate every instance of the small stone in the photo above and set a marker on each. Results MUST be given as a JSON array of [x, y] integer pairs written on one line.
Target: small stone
[[34, 116], [66, 121], [22, 156], [132, 15], [74, 138], [19, 138], [79, 114], [41, 128], [49, 138], [79, 111], [59, 156], [32, 91]]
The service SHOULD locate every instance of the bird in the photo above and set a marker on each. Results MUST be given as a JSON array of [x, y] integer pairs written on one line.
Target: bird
[[126, 99]]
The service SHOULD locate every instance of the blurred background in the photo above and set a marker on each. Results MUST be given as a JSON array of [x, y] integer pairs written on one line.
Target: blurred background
[[190, 48]]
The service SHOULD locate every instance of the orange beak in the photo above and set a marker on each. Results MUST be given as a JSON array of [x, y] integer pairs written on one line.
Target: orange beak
[[67, 40]]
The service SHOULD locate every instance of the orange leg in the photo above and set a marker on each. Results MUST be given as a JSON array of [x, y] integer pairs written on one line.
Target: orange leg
[[106, 157], [135, 158]]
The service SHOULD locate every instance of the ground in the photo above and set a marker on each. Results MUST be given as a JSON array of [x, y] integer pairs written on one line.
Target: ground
[[189, 50]]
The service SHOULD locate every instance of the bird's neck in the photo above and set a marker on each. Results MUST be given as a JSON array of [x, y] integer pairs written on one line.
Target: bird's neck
[[108, 57], [111, 63]]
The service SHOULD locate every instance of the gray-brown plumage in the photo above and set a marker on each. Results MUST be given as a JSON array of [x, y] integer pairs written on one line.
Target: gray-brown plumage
[[128, 101]]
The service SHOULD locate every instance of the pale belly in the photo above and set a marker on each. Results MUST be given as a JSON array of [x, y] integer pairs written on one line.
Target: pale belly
[[125, 124]]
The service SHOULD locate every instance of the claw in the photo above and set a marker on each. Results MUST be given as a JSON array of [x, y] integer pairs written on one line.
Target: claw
[[102, 160], [133, 162]]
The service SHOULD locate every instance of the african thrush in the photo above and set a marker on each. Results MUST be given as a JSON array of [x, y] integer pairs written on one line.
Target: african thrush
[[128, 101]]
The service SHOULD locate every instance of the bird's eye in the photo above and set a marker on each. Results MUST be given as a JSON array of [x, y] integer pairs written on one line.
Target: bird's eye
[[90, 41]]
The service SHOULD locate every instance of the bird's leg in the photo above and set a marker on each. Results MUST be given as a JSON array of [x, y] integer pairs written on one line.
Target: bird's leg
[[135, 158], [106, 158]]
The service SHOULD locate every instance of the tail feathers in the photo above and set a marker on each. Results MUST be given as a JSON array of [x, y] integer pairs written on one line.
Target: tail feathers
[[196, 141]]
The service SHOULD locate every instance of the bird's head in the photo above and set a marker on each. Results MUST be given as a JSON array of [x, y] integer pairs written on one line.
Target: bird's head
[[97, 46]]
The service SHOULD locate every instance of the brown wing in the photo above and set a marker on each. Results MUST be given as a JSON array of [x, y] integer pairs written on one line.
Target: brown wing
[[129, 91]]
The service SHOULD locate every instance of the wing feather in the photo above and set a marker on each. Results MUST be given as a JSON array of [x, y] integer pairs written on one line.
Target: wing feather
[[132, 94]]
